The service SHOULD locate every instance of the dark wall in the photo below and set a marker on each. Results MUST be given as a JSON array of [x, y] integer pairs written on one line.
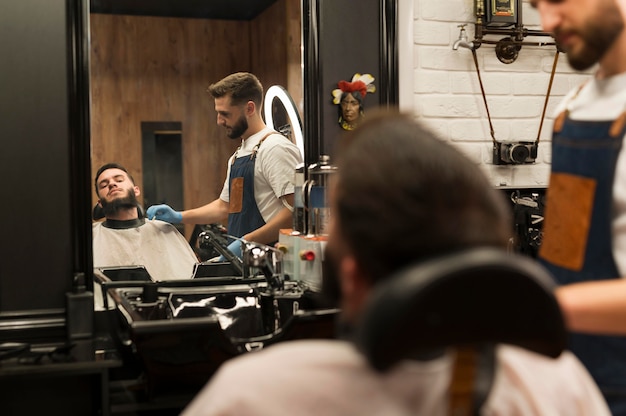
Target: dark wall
[[349, 43], [343, 38], [38, 219]]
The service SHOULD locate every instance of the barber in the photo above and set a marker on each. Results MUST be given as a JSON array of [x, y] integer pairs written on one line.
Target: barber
[[259, 178]]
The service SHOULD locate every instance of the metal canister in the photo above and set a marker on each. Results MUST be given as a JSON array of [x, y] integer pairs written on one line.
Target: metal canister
[[299, 209], [316, 195]]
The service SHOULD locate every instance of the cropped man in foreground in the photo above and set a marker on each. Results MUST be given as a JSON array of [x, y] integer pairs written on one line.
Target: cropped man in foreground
[[401, 196]]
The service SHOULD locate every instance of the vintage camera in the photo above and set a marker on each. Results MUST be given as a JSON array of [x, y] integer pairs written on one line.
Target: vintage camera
[[514, 153]]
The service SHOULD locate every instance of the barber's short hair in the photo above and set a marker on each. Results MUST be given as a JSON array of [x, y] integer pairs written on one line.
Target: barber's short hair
[[108, 166], [403, 195], [241, 87]]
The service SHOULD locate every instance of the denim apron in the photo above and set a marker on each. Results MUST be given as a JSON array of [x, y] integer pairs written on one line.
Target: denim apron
[[576, 245], [243, 213]]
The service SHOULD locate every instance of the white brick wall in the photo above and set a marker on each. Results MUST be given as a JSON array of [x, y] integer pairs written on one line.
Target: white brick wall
[[440, 86]]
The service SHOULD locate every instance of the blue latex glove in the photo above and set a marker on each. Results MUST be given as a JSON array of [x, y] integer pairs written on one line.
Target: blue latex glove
[[235, 248], [164, 213]]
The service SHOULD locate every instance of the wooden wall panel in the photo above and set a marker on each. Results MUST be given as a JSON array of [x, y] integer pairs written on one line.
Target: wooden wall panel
[[158, 69], [295, 71], [275, 47], [268, 45]]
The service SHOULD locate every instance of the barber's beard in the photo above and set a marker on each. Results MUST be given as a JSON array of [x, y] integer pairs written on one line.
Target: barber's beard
[[599, 34], [111, 208], [239, 128]]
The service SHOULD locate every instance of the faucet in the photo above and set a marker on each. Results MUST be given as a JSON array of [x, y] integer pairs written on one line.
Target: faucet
[[268, 260], [462, 40], [209, 236]]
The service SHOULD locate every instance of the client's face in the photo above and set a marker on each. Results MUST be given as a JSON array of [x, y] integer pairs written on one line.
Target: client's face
[[116, 191], [343, 285]]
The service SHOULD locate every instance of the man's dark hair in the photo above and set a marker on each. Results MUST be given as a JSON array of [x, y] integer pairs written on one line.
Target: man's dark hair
[[110, 166], [355, 94], [241, 87], [405, 195]]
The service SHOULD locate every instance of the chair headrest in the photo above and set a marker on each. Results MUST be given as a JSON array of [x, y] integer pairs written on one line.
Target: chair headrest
[[97, 213], [480, 296]]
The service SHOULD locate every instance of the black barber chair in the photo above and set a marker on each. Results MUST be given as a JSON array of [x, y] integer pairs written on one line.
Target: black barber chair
[[471, 300], [304, 324]]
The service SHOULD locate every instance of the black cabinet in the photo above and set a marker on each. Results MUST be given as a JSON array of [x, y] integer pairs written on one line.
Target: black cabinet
[[45, 227], [63, 380], [45, 237]]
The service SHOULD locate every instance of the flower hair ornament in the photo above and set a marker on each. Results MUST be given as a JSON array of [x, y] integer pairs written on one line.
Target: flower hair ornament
[[361, 83], [349, 97]]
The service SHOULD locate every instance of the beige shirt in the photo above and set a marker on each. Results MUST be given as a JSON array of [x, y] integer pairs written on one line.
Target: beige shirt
[[325, 377]]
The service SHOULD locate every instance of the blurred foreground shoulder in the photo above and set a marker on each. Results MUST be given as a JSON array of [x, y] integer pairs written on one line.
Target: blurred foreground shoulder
[[527, 383]]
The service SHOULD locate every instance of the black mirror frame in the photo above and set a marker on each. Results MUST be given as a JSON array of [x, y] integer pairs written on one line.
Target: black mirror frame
[[314, 95]]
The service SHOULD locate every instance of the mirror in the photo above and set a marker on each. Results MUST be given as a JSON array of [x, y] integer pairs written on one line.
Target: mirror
[[150, 64]]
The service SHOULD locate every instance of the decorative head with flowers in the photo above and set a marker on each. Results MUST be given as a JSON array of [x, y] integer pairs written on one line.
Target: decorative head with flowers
[[349, 97]]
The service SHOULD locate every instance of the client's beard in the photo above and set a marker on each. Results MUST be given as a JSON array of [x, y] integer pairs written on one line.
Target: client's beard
[[112, 208]]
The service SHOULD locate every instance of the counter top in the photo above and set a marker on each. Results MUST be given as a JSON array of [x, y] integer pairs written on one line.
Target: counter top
[[74, 357]]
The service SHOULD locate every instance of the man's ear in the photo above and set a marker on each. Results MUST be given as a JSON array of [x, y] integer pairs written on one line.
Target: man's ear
[[354, 284], [250, 108], [99, 204], [347, 270], [137, 190]]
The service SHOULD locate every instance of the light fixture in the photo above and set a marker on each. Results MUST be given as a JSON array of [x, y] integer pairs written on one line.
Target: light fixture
[[276, 91]]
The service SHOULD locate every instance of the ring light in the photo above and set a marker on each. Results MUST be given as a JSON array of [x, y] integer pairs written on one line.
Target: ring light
[[276, 91]]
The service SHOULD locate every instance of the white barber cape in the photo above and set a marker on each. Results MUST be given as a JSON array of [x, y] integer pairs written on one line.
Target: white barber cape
[[156, 245]]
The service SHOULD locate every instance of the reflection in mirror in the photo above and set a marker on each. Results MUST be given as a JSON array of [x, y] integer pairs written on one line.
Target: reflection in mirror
[[148, 67], [150, 112], [281, 114]]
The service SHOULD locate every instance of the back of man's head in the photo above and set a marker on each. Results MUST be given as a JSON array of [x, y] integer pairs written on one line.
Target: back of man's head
[[403, 195]]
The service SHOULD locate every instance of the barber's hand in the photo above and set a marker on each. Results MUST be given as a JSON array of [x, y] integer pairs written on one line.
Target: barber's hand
[[164, 213], [235, 248]]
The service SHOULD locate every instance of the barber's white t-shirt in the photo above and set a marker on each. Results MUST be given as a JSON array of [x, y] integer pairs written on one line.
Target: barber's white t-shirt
[[274, 170]]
